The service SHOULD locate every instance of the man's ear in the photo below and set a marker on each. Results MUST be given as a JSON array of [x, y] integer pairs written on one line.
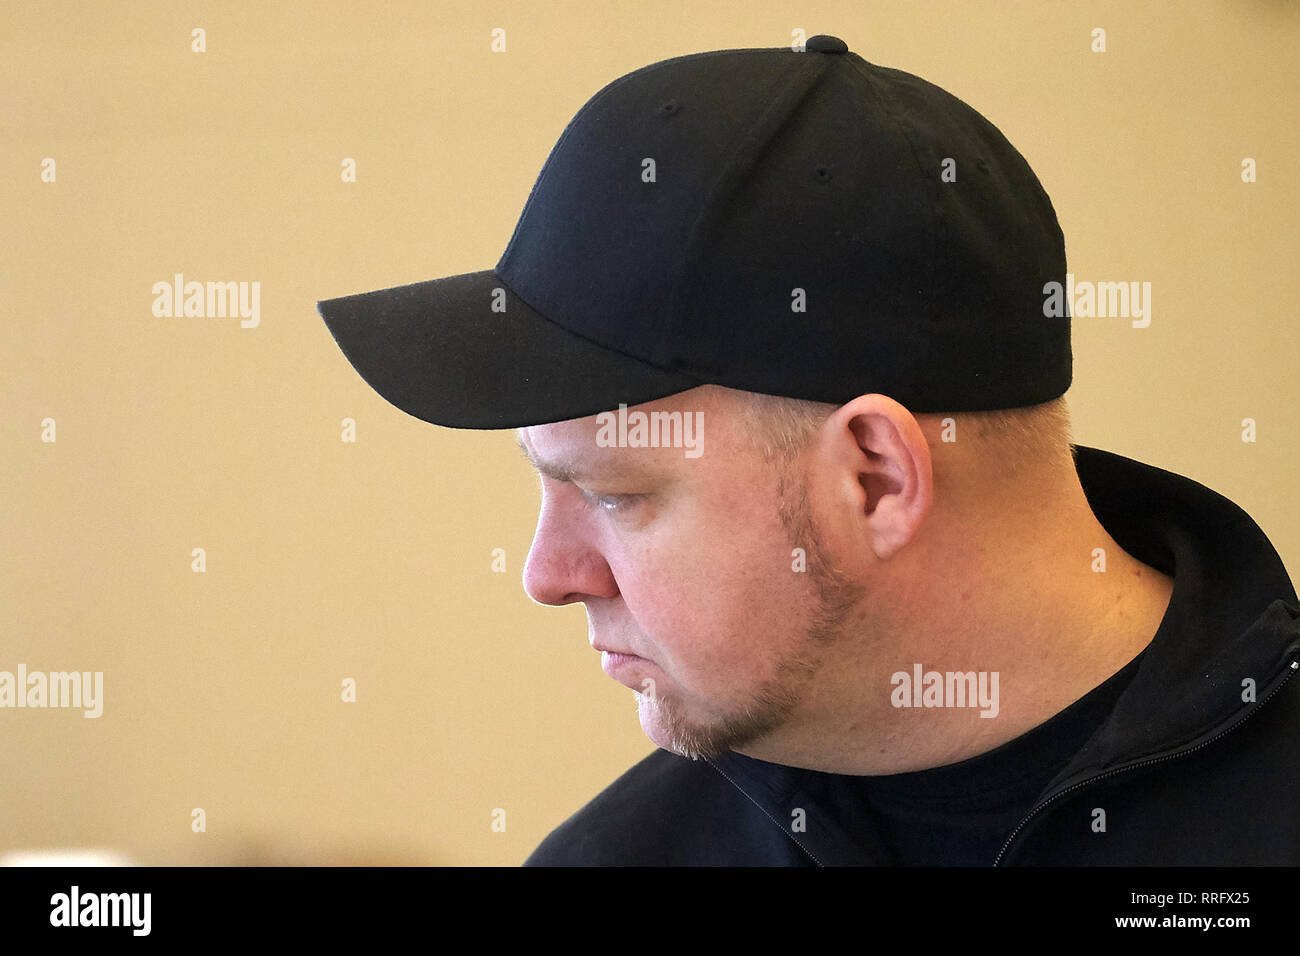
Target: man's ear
[[886, 467]]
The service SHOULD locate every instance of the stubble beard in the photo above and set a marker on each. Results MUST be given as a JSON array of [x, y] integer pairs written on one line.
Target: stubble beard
[[770, 705]]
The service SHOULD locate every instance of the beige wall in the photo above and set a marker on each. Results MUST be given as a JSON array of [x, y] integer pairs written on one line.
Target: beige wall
[[371, 560]]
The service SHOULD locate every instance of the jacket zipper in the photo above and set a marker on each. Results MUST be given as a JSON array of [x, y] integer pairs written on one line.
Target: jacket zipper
[[768, 815], [1159, 758]]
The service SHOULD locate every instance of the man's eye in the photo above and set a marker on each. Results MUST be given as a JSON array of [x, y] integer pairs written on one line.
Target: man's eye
[[611, 502]]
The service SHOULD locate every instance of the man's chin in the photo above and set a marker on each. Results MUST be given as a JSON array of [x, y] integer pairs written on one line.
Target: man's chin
[[655, 724], [667, 727]]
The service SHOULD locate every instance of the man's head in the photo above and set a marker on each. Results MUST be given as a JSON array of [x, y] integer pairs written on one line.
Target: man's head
[[749, 584], [722, 224]]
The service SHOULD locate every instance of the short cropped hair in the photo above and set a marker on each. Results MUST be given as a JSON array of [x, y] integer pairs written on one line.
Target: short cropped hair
[[781, 427]]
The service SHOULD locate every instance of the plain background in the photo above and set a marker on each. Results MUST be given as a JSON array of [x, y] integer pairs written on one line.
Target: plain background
[[328, 560]]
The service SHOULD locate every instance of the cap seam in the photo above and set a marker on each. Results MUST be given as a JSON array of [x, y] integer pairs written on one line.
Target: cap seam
[[590, 341], [886, 109], [782, 84]]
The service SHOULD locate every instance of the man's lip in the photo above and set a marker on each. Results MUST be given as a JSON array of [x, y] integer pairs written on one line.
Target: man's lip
[[614, 650], [625, 668]]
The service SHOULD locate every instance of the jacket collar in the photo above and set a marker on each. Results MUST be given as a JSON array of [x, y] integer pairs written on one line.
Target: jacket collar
[[1232, 614]]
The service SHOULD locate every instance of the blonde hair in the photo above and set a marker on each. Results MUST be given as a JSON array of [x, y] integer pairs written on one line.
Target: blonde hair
[[1021, 437]]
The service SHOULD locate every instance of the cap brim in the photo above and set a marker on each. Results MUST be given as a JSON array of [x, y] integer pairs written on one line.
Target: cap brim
[[438, 351]]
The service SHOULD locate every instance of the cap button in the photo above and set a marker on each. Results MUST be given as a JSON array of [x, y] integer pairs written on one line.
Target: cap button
[[822, 43]]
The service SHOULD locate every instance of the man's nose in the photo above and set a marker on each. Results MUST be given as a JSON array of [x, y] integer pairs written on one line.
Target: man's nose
[[564, 565]]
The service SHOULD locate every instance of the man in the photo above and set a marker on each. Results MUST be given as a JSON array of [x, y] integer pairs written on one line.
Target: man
[[773, 329]]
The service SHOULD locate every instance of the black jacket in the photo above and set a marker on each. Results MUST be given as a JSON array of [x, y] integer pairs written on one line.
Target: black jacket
[[1189, 773]]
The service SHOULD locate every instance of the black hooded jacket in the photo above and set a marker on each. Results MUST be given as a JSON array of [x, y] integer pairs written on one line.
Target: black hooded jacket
[[1186, 768]]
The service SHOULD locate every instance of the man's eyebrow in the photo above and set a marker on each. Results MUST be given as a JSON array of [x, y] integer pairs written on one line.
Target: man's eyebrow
[[549, 469]]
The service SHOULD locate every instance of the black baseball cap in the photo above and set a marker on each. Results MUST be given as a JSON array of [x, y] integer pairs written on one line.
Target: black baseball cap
[[797, 222]]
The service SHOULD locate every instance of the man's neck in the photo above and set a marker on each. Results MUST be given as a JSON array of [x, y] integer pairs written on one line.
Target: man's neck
[[1052, 612]]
